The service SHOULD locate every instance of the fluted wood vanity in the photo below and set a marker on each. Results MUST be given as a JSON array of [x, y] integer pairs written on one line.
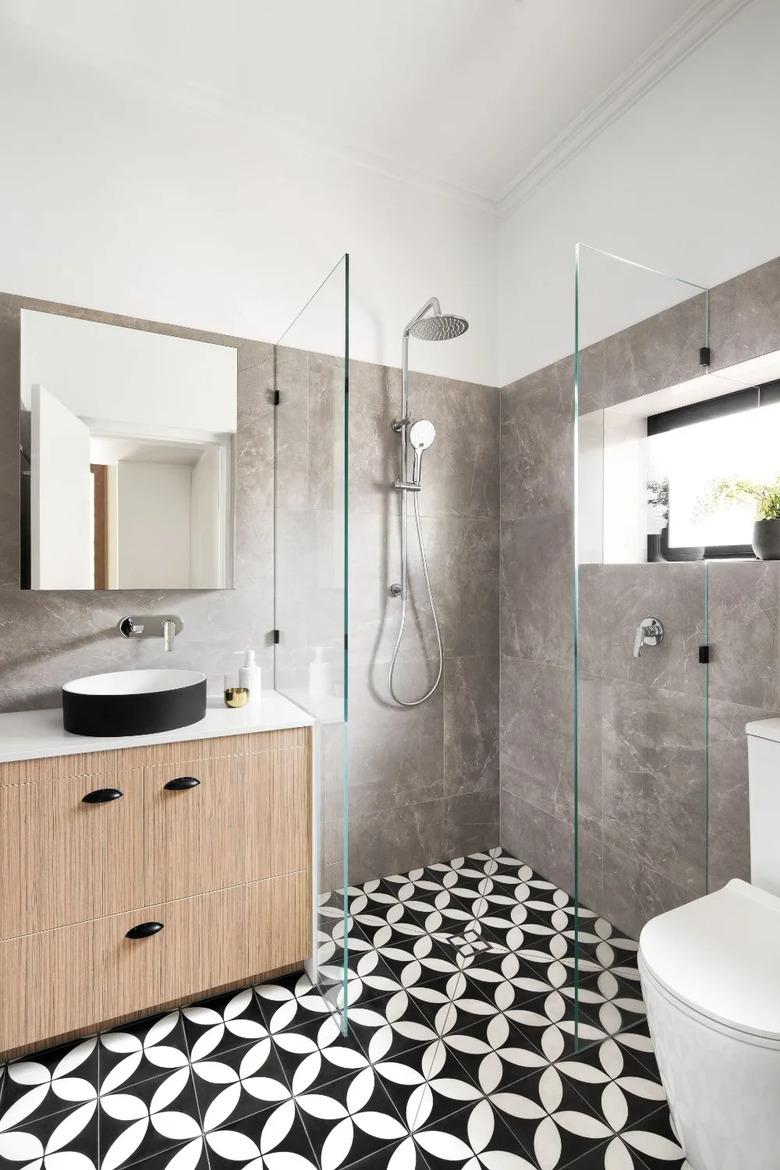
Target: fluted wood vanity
[[143, 876]]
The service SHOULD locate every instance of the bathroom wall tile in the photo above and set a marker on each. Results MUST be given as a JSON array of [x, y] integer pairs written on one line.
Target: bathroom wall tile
[[254, 441], [471, 728], [536, 443], [459, 470], [536, 609], [537, 838], [468, 595], [745, 315], [657, 352], [728, 803], [292, 428], [537, 723], [374, 401], [654, 779], [396, 755], [326, 412], [537, 739], [633, 893], [382, 845], [471, 822], [375, 564], [615, 598], [744, 632]]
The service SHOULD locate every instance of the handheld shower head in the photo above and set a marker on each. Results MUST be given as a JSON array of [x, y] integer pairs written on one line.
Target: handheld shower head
[[421, 435]]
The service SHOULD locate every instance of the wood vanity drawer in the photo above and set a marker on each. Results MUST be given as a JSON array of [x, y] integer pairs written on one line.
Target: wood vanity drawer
[[278, 812], [202, 945], [278, 923], [65, 859], [47, 984], [195, 828]]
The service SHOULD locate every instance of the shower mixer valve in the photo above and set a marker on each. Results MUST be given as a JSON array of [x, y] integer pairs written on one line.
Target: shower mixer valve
[[649, 632]]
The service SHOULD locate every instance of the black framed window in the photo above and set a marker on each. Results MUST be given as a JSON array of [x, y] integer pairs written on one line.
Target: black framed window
[[690, 449]]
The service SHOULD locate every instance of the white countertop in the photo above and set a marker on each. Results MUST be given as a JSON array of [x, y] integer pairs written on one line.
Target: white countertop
[[33, 735]]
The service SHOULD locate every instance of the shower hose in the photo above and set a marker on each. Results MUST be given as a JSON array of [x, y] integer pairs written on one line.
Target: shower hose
[[404, 595]]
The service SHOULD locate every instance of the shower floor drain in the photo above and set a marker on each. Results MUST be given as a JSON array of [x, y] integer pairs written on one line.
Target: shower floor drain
[[469, 942]]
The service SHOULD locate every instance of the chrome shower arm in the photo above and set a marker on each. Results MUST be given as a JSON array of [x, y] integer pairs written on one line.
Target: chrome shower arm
[[433, 303]]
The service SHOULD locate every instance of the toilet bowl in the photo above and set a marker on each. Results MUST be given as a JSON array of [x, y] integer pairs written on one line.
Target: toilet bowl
[[710, 975]]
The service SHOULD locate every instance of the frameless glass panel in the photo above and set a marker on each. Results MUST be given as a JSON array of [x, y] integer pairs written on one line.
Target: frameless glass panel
[[311, 545], [640, 618]]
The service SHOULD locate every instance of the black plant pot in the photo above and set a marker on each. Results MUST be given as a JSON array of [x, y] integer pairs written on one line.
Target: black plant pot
[[766, 539]]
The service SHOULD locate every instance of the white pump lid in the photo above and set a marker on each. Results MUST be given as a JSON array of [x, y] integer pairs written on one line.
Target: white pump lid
[[249, 656], [720, 955]]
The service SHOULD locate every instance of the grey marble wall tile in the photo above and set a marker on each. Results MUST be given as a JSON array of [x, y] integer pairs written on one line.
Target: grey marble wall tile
[[729, 803], [654, 780], [291, 379], [745, 315], [471, 822], [539, 839], [375, 564], [383, 845], [535, 589], [471, 730], [460, 469], [374, 401], [468, 604], [537, 722], [657, 352], [744, 632], [536, 443], [613, 599], [537, 739], [634, 893], [396, 755]]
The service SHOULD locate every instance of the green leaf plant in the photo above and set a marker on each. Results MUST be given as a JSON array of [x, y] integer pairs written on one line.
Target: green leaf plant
[[765, 497]]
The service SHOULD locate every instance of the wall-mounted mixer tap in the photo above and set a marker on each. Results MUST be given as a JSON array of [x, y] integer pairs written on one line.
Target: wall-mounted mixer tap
[[165, 626], [649, 632]]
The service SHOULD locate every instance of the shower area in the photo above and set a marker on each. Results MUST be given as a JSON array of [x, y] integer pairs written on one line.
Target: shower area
[[532, 625]]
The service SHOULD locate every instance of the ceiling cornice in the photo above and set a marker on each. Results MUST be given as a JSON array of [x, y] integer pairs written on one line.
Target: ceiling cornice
[[674, 46]]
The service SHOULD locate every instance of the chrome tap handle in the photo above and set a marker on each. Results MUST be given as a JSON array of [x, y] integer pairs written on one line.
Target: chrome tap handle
[[168, 633], [649, 632]]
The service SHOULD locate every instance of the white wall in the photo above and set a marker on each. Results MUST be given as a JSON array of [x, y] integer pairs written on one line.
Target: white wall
[[115, 198], [686, 181]]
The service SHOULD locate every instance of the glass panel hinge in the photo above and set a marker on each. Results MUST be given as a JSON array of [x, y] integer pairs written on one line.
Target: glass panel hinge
[[704, 654]]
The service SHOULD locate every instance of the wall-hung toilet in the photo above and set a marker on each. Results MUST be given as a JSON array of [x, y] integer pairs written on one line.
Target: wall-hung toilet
[[711, 981]]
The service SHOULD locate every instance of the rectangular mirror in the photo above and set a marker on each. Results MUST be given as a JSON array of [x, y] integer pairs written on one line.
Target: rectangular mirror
[[126, 457]]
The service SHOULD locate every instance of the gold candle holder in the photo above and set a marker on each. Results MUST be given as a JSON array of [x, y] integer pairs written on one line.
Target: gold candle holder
[[235, 694]]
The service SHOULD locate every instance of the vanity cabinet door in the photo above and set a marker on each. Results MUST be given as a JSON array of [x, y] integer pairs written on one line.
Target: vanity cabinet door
[[194, 828], [278, 812], [48, 986], [70, 850], [173, 952]]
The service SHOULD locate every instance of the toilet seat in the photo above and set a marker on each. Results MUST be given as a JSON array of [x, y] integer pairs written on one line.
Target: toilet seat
[[718, 959]]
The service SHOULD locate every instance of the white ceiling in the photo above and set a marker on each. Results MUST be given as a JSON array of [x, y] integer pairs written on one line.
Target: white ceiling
[[482, 96]]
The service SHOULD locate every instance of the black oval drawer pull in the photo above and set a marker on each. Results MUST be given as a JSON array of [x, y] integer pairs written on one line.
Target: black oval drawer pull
[[102, 796], [144, 930], [181, 783]]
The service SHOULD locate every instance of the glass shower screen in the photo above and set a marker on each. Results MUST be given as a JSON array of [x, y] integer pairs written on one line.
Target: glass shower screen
[[640, 618], [310, 590]]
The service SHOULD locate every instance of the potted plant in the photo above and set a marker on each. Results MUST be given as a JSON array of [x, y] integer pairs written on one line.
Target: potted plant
[[765, 498]]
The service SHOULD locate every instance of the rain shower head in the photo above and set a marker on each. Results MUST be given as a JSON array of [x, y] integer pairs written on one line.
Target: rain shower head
[[439, 327]]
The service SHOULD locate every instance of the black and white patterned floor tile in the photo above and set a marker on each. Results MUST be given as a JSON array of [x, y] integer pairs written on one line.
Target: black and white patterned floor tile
[[461, 1051]]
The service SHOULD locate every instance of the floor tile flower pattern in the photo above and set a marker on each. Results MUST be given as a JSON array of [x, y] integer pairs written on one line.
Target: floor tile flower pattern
[[461, 1051]]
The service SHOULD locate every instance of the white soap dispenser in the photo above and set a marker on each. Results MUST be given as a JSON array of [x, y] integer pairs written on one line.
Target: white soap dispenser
[[251, 676], [319, 673]]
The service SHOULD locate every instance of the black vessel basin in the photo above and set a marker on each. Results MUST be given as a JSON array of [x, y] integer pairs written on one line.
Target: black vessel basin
[[133, 702]]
